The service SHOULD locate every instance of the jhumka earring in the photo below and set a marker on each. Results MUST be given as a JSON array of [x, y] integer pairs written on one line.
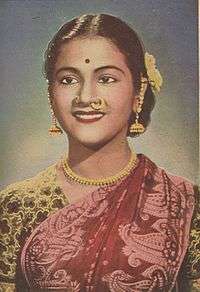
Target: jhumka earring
[[136, 127], [54, 130]]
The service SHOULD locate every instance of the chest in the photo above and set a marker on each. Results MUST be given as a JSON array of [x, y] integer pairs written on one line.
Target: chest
[[115, 239]]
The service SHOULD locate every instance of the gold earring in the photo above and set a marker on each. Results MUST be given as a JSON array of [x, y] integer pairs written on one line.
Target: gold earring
[[136, 127], [54, 130]]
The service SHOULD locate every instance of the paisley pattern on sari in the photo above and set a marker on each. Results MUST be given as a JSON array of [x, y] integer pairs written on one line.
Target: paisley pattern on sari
[[132, 236]]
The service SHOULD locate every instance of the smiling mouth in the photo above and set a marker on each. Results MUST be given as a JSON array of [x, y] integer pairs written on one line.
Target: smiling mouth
[[88, 117]]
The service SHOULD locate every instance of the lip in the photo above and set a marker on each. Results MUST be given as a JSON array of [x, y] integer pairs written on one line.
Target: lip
[[88, 116], [81, 112]]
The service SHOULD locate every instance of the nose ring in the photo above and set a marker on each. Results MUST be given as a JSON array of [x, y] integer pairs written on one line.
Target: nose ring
[[100, 104], [77, 99]]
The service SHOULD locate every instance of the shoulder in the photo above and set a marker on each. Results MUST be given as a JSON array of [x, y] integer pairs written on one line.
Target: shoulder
[[174, 182], [184, 193], [24, 205], [176, 194], [39, 180], [19, 193], [191, 265]]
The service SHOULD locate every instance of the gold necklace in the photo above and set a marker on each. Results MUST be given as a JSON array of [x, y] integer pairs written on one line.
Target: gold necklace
[[101, 181]]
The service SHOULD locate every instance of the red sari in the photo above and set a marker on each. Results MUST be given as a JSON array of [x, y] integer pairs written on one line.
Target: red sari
[[128, 237]]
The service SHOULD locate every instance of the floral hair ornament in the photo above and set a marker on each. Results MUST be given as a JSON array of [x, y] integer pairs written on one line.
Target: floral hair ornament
[[155, 80], [154, 76]]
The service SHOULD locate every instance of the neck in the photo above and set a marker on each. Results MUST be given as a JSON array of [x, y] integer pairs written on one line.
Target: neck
[[98, 163]]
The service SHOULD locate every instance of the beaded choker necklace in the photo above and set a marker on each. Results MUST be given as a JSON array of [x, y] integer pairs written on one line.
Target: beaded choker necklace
[[102, 181]]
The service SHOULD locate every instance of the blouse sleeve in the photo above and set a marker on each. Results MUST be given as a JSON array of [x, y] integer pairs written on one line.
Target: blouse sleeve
[[10, 229], [190, 270]]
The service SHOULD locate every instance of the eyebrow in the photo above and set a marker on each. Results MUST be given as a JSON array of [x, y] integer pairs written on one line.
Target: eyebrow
[[77, 71]]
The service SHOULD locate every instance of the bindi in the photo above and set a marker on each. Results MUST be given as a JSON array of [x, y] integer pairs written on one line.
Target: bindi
[[87, 60]]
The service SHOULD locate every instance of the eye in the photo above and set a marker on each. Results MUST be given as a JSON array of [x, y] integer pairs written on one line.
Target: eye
[[107, 79], [69, 80]]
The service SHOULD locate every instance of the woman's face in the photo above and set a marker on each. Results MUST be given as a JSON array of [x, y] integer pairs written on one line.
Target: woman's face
[[88, 69]]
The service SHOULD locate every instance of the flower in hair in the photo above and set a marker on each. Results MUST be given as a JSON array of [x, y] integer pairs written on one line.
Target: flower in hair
[[154, 76]]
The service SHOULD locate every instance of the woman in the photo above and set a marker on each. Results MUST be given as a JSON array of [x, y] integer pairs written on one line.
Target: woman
[[102, 218]]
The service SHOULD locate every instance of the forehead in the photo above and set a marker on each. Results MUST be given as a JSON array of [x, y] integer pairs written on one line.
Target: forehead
[[98, 50]]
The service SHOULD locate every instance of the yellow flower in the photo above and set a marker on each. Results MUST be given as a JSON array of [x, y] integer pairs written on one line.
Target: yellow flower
[[153, 73]]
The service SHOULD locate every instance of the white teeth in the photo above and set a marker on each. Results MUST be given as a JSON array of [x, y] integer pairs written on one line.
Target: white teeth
[[89, 117]]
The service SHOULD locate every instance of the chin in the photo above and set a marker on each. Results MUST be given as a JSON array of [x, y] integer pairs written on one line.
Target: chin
[[92, 140]]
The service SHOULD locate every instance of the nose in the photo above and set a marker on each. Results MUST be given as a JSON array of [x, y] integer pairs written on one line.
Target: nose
[[87, 92]]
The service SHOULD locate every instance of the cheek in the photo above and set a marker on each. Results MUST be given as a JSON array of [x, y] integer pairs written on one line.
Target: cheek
[[62, 109], [121, 102], [122, 110], [61, 101]]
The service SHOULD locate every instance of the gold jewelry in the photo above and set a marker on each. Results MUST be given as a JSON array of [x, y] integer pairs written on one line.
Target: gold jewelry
[[100, 104], [54, 130], [102, 181], [136, 127], [77, 99]]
